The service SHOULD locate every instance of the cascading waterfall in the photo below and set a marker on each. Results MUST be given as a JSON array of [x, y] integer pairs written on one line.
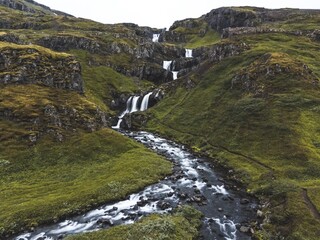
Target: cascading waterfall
[[128, 109], [188, 53], [175, 74], [155, 37], [167, 65], [133, 106], [145, 102]]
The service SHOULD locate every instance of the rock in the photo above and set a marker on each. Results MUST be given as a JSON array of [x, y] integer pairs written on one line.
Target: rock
[[244, 229], [163, 205], [27, 65], [197, 191], [260, 214], [244, 201], [221, 18]]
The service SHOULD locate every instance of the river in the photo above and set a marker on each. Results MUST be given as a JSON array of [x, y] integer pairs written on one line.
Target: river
[[194, 181]]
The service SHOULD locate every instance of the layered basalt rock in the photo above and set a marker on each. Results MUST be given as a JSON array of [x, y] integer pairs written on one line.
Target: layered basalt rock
[[28, 65]]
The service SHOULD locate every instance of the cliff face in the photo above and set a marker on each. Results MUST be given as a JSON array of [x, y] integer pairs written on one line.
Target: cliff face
[[27, 65], [29, 6], [237, 17]]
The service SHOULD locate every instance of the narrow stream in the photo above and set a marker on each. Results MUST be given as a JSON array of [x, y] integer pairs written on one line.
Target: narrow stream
[[193, 182]]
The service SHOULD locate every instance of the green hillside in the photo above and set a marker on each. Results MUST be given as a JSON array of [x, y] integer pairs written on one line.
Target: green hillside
[[248, 100], [257, 113]]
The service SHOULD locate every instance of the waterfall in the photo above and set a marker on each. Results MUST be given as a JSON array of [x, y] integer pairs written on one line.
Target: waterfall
[[129, 101], [188, 53], [167, 65], [155, 37], [175, 75], [145, 102], [134, 107]]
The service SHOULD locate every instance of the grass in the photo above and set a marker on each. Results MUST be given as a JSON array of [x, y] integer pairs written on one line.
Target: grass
[[211, 37], [26, 104], [183, 224], [271, 140], [103, 84], [50, 180], [44, 51]]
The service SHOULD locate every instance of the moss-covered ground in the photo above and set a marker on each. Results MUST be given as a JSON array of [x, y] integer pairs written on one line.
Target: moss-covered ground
[[271, 140], [49, 181]]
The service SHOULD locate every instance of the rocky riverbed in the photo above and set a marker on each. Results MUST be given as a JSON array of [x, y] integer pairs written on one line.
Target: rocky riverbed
[[228, 214]]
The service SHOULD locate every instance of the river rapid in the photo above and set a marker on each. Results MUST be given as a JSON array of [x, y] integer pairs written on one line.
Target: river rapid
[[227, 211]]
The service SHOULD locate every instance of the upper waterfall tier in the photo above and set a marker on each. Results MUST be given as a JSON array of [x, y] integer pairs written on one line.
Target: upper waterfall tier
[[155, 37], [167, 65], [188, 53], [175, 74]]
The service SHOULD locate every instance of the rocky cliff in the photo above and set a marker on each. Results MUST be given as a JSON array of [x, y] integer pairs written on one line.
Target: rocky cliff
[[21, 64], [30, 6]]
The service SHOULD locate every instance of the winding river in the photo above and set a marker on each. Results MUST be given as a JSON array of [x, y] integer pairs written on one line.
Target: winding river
[[193, 182]]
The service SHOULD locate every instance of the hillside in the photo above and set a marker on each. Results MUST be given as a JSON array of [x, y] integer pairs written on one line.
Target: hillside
[[247, 99]]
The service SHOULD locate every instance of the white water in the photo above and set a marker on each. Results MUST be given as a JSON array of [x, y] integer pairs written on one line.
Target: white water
[[166, 65], [155, 37], [188, 53], [123, 113], [135, 104], [175, 74], [145, 102], [227, 227], [195, 175]]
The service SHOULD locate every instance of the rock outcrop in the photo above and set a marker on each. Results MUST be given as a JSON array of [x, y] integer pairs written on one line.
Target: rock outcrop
[[29, 65], [11, 38], [258, 78], [30, 6], [221, 18]]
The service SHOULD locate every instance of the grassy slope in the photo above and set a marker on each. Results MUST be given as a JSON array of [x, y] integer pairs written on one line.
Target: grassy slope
[[51, 180], [272, 143], [183, 224], [101, 81]]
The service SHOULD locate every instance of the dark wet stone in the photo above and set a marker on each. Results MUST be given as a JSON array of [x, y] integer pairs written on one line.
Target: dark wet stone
[[142, 203], [163, 205], [231, 198], [197, 191], [225, 198], [60, 237], [104, 221], [244, 201], [182, 195], [170, 194]]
